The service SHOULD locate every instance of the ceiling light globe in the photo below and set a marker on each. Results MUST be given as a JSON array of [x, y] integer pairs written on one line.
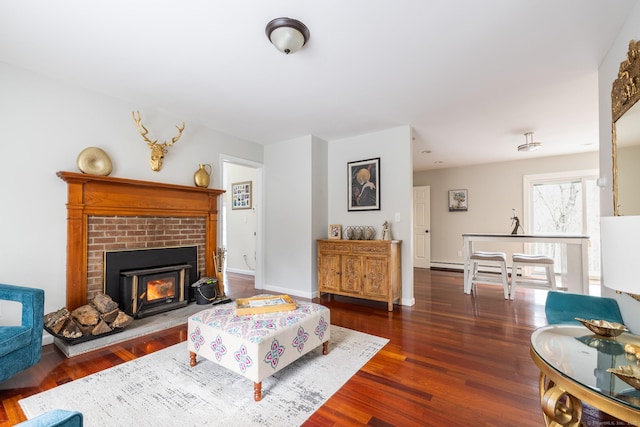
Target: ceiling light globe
[[287, 35], [287, 40]]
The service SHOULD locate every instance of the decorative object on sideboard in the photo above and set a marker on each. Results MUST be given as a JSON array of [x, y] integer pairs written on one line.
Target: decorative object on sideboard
[[202, 177], [359, 232], [386, 231], [157, 150], [241, 195], [364, 185], [458, 200], [94, 161], [335, 231], [287, 35], [100, 317], [515, 223]]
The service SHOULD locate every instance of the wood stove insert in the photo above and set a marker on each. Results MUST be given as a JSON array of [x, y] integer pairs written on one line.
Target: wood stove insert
[[151, 281]]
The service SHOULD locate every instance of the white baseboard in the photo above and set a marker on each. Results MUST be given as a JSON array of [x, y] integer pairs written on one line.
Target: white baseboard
[[241, 271], [448, 265]]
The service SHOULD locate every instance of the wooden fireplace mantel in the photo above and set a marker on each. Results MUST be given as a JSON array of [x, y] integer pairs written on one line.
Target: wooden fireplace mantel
[[108, 196]]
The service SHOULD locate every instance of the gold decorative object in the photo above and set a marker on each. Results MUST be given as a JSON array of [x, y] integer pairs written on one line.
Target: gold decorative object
[[157, 150], [94, 161], [625, 93], [630, 374], [603, 328], [202, 176]]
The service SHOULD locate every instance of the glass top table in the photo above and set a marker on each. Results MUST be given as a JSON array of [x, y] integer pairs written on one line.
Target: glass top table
[[573, 365]]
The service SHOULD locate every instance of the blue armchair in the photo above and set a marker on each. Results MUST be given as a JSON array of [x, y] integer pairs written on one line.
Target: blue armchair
[[564, 307], [21, 346]]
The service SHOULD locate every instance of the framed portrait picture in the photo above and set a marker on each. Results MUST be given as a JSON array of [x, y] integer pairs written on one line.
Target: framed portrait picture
[[364, 185], [241, 195], [335, 231], [458, 200]]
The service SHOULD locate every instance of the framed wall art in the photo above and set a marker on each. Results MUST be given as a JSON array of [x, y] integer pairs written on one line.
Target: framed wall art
[[364, 185], [458, 200], [335, 231], [241, 195]]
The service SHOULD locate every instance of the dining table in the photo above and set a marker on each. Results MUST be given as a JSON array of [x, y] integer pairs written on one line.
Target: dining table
[[575, 277]]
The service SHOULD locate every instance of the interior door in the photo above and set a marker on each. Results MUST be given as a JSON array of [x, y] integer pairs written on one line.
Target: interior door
[[421, 225]]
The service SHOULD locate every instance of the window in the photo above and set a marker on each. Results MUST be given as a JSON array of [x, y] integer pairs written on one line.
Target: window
[[564, 203]]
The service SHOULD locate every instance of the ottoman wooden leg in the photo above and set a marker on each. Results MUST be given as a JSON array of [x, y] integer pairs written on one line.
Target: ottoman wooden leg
[[325, 347], [192, 359], [257, 391]]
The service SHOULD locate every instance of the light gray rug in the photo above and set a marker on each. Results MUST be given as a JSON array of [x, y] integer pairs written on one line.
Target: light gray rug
[[161, 389]]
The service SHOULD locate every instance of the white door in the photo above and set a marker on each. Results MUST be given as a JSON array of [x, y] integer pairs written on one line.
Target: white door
[[421, 225]]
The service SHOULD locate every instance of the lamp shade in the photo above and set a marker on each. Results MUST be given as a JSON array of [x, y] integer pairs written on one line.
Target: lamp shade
[[287, 35], [620, 247]]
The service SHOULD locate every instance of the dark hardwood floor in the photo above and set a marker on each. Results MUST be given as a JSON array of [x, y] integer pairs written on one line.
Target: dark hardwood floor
[[452, 359]]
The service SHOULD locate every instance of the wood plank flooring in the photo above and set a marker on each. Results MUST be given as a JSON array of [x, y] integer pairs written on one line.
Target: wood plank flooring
[[452, 360]]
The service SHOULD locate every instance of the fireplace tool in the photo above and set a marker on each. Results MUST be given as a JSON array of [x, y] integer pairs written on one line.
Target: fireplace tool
[[218, 261]]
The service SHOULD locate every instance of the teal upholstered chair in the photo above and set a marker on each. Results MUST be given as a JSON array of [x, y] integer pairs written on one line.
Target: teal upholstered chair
[[55, 418], [21, 346], [564, 307]]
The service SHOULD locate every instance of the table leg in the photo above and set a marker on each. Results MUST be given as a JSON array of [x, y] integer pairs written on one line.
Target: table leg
[[325, 347], [467, 248], [257, 391], [192, 359], [559, 408]]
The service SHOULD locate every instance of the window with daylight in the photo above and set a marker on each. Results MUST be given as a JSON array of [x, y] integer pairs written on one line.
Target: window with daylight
[[563, 203]]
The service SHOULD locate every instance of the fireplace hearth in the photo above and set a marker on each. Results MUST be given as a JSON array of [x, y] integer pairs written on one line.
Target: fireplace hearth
[[145, 282]]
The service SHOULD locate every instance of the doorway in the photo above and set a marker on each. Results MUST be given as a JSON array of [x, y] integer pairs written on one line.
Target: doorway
[[242, 223], [421, 227]]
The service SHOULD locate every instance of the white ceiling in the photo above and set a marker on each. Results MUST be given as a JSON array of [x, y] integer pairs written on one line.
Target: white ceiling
[[469, 76]]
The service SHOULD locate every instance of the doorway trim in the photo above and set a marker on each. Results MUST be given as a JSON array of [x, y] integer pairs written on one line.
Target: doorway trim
[[258, 203]]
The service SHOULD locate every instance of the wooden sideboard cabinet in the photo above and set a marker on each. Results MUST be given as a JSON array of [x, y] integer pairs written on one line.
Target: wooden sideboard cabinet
[[370, 269]]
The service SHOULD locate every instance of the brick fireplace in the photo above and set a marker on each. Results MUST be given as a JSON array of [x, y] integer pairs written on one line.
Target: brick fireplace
[[106, 214]]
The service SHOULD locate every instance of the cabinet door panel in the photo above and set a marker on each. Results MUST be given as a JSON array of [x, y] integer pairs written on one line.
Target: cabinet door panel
[[376, 273], [329, 271], [351, 274]]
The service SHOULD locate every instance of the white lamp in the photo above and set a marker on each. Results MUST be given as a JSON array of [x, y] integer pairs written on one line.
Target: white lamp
[[287, 35], [620, 247]]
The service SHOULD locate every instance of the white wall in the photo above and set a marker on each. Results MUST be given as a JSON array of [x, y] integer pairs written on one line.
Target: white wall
[[607, 73], [241, 224], [294, 171], [494, 190], [45, 125], [393, 147]]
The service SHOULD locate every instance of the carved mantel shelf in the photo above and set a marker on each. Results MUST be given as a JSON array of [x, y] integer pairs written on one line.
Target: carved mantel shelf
[[108, 196]]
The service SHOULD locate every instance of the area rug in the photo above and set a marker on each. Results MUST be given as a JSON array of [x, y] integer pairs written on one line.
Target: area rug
[[161, 389]]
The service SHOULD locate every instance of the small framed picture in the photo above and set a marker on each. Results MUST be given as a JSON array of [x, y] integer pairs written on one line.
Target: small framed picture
[[241, 195], [335, 231], [364, 185], [458, 200]]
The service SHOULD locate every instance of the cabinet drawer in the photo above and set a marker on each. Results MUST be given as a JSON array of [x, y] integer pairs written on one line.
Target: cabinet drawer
[[338, 248], [368, 249]]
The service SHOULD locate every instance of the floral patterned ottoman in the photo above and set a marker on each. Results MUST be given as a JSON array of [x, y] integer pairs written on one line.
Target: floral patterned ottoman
[[257, 345]]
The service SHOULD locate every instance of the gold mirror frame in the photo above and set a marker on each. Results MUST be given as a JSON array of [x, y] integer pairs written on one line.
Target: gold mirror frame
[[624, 94]]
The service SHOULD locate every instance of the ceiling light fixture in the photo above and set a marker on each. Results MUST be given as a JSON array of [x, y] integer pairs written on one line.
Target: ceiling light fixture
[[529, 145], [287, 35]]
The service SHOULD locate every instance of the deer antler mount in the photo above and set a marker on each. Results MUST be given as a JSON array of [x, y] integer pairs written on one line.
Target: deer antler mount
[[157, 150]]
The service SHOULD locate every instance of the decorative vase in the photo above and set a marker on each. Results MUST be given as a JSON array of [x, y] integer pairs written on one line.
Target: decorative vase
[[202, 176]]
